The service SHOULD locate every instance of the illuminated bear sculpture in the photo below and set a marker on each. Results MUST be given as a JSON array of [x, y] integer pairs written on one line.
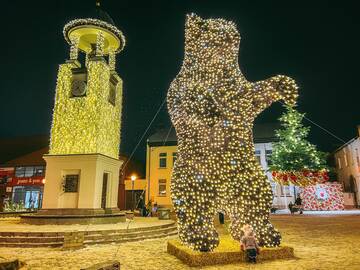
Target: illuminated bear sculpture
[[213, 107]]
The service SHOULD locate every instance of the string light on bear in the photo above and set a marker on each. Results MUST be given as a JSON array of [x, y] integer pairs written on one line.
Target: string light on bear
[[213, 107]]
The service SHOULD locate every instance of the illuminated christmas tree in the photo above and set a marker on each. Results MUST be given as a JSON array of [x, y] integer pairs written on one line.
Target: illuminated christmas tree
[[213, 107], [294, 159]]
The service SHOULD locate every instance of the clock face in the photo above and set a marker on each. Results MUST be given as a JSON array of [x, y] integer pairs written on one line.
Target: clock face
[[78, 88]]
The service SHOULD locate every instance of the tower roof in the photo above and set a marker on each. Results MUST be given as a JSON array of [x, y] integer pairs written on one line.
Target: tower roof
[[100, 14], [96, 20]]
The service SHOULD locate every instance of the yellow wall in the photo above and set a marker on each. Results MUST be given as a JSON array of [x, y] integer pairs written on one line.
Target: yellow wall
[[154, 173], [139, 184], [90, 124]]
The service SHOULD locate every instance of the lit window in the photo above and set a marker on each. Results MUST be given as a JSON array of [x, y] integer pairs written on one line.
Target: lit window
[[345, 159], [339, 162], [174, 157], [39, 171], [162, 187], [162, 160]]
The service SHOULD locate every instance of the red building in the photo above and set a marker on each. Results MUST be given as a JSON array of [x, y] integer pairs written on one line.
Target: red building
[[25, 179]]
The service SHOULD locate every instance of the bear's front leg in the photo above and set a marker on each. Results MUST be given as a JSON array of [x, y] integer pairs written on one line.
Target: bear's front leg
[[280, 87], [195, 211]]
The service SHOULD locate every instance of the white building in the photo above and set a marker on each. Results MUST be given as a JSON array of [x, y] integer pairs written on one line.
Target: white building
[[264, 137], [348, 170]]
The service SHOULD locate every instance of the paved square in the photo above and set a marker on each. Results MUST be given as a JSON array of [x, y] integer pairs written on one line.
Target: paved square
[[321, 242]]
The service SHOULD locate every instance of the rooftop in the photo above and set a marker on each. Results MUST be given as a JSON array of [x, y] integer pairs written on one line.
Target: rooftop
[[263, 133]]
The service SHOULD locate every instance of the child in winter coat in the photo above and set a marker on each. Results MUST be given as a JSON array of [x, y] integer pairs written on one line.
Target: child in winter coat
[[250, 245]]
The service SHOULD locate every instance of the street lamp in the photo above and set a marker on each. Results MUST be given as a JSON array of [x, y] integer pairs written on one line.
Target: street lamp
[[133, 178]]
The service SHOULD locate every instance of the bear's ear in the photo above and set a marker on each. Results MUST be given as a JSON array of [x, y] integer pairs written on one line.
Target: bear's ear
[[192, 20]]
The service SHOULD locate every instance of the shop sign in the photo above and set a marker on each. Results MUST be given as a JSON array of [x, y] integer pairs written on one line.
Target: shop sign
[[27, 181]]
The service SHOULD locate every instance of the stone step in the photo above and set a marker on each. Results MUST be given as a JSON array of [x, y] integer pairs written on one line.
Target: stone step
[[55, 239], [129, 235], [126, 239], [31, 239], [31, 245], [31, 234], [139, 229]]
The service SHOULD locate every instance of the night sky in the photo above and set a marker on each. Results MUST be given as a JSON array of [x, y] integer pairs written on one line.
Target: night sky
[[314, 42]]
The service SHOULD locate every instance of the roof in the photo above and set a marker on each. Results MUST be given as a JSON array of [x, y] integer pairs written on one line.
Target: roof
[[12, 148], [263, 133], [33, 158], [100, 14]]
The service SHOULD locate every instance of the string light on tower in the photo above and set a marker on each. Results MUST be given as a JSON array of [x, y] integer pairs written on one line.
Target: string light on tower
[[213, 107]]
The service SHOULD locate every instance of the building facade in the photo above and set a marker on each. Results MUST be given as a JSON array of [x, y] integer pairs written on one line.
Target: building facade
[[347, 160], [25, 179], [161, 156]]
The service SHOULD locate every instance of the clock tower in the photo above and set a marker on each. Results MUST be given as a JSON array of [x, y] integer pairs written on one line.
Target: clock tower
[[82, 170]]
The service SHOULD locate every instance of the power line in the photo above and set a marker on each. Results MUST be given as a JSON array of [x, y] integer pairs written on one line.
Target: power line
[[324, 129], [146, 130]]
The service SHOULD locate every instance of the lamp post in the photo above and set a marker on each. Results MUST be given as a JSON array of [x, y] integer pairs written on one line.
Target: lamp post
[[133, 178]]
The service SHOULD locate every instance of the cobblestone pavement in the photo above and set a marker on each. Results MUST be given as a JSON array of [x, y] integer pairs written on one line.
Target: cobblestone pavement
[[320, 243]]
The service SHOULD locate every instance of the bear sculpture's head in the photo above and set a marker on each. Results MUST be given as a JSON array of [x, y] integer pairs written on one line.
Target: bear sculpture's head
[[210, 39]]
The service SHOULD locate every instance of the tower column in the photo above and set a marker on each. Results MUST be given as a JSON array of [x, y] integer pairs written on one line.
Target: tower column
[[112, 59], [100, 44], [74, 48]]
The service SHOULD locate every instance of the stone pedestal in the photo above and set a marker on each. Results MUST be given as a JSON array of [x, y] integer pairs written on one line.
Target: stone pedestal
[[79, 189], [94, 192]]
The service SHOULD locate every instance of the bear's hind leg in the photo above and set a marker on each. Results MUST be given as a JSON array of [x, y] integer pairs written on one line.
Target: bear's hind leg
[[196, 222]]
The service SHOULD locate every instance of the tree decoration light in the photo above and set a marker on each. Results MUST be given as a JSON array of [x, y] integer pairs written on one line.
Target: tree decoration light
[[294, 160], [213, 107]]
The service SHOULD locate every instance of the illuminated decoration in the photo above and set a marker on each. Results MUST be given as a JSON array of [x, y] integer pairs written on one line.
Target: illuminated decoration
[[300, 178], [294, 160], [213, 107], [100, 44], [85, 121], [74, 51], [323, 197]]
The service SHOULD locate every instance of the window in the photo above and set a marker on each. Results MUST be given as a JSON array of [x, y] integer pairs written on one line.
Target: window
[[39, 171], [258, 155], [345, 159], [285, 191], [162, 160], [112, 94], [273, 188], [174, 157], [162, 187], [339, 162], [20, 171], [268, 154], [30, 171], [71, 183]]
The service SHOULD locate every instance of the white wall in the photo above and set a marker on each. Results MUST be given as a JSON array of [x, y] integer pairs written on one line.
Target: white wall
[[282, 194]]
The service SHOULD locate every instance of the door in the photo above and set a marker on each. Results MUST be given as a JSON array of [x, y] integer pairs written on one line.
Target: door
[[104, 190]]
